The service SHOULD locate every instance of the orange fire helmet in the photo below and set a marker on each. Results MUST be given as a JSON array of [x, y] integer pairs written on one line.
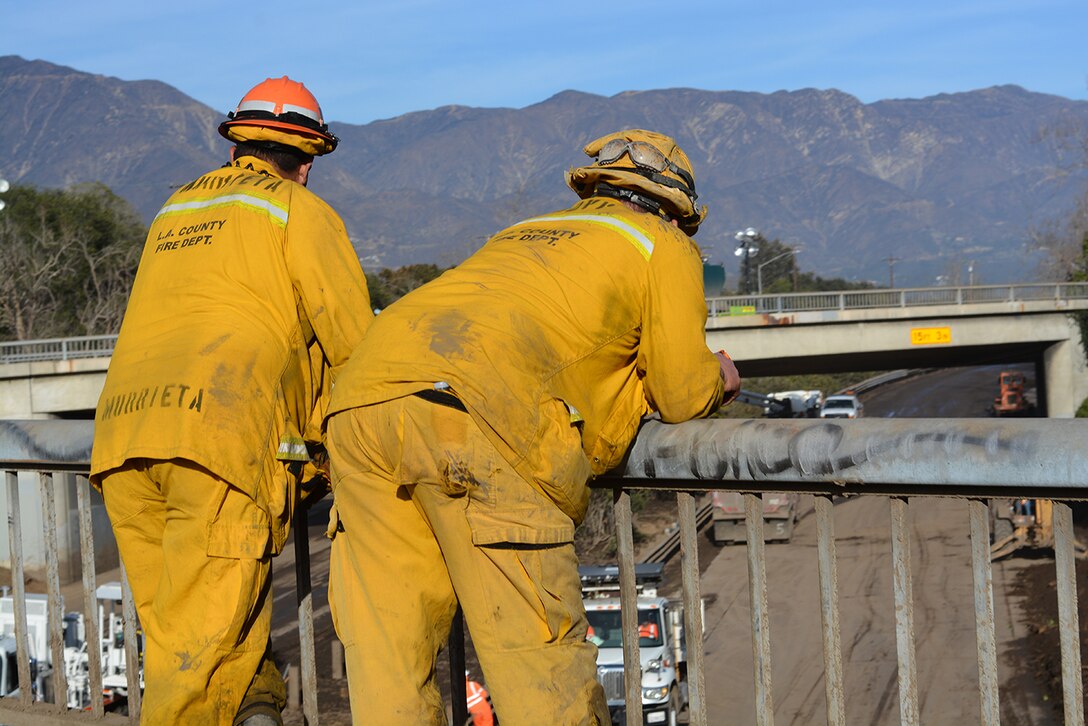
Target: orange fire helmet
[[282, 111]]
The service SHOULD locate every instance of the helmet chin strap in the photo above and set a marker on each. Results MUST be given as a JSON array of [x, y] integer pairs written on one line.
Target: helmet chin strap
[[649, 204]]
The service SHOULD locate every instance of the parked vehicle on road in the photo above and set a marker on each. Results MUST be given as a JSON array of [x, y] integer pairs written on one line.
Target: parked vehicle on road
[[727, 517], [662, 653], [77, 651], [845, 405]]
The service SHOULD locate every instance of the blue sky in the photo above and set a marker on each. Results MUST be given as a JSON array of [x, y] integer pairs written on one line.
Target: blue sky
[[372, 60]]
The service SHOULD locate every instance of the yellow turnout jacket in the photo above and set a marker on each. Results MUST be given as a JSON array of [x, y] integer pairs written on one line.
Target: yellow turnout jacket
[[248, 300], [590, 318]]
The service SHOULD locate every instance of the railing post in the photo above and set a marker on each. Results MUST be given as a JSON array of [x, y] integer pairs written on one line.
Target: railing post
[[52, 583], [904, 613], [761, 621], [1069, 627], [985, 630], [693, 611], [456, 647], [90, 600], [304, 593], [133, 661], [632, 664], [18, 588], [829, 611]]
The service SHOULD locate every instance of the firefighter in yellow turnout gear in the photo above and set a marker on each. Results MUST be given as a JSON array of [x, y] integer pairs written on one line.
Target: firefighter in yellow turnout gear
[[248, 300], [464, 430]]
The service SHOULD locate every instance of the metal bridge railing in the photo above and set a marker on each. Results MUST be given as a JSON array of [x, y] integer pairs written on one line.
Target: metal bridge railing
[[90, 346], [101, 346], [896, 459], [912, 297]]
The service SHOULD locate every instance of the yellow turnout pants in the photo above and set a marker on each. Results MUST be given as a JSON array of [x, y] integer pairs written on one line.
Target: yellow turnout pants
[[196, 552], [420, 494]]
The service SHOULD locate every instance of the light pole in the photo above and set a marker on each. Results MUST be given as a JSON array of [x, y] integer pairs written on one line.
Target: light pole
[[759, 268], [746, 239]]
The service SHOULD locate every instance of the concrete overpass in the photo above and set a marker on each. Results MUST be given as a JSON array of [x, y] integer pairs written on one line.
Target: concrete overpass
[[768, 335], [59, 378], [876, 330]]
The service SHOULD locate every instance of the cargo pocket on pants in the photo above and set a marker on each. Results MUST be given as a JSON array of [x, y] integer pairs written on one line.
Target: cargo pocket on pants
[[239, 539], [512, 511]]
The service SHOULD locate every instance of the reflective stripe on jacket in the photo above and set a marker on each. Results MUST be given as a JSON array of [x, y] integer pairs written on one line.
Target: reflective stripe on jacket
[[249, 298], [593, 316]]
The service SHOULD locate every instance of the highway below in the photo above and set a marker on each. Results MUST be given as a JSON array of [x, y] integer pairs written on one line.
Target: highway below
[[942, 588]]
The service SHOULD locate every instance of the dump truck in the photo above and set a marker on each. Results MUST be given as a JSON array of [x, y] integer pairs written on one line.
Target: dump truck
[[662, 652], [780, 514]]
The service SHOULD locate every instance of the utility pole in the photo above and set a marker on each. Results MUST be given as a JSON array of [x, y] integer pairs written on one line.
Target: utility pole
[[891, 270]]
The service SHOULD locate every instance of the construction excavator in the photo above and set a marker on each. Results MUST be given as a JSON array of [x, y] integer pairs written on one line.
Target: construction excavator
[[1023, 523]]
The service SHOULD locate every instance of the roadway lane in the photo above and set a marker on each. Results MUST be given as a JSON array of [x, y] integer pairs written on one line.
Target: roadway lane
[[943, 612], [946, 393]]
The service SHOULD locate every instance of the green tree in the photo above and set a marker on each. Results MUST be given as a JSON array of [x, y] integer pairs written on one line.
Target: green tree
[[389, 285], [1064, 241], [69, 257]]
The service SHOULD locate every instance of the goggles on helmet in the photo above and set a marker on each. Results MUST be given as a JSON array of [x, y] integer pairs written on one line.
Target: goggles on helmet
[[642, 155]]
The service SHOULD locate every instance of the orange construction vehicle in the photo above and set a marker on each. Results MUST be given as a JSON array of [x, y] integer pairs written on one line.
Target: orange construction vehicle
[[1011, 401], [1023, 523]]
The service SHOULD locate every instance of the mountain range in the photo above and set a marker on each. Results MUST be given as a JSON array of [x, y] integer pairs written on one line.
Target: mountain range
[[922, 189]]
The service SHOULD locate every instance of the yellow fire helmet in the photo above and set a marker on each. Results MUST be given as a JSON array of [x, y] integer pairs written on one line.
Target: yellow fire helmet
[[646, 167], [282, 111]]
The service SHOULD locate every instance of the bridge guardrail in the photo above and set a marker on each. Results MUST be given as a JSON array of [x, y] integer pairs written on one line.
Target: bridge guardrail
[[897, 459], [90, 346], [796, 302], [101, 346]]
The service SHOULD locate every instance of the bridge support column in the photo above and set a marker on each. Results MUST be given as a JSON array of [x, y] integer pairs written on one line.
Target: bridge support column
[[1059, 361]]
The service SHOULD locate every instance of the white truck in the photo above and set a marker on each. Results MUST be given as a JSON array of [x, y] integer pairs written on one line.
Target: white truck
[[37, 614], [662, 652], [844, 405], [785, 404], [77, 652]]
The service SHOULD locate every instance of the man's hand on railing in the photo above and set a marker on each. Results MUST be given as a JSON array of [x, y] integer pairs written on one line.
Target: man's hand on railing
[[729, 375], [315, 481]]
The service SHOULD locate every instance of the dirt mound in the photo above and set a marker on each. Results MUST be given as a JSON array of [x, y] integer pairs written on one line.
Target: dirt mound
[[1038, 585]]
